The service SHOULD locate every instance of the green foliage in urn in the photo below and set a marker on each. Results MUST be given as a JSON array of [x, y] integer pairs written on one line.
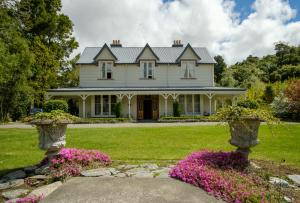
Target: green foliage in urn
[[248, 103], [238, 113], [53, 117], [56, 105]]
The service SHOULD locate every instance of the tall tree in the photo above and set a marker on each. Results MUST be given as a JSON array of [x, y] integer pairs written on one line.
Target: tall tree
[[220, 67], [70, 74], [15, 64], [49, 32]]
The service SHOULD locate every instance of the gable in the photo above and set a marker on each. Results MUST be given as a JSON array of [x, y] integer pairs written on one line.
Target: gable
[[188, 54], [147, 54], [105, 54]]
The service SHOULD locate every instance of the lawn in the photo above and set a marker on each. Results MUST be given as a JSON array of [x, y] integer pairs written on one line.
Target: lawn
[[18, 147]]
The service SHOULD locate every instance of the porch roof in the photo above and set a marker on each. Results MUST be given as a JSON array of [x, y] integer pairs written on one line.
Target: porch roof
[[91, 90]]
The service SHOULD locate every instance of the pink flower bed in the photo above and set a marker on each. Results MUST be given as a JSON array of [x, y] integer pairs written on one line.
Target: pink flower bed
[[33, 199], [81, 156], [222, 174], [70, 161]]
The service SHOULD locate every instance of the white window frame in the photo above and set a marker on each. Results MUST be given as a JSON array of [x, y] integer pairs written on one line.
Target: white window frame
[[188, 69], [185, 105], [147, 69], [106, 67], [101, 106]]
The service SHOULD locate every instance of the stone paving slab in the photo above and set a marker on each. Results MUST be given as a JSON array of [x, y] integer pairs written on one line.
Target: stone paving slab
[[131, 190]]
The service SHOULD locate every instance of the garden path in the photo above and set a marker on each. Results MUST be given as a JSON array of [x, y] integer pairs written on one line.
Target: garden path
[[133, 190]]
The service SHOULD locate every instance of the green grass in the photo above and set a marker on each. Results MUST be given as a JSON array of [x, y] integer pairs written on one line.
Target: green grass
[[19, 147]]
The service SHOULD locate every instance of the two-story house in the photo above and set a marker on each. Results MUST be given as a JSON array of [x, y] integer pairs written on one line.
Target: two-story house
[[147, 80]]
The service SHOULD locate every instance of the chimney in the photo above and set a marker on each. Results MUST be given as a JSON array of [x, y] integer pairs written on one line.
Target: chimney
[[177, 43], [116, 43]]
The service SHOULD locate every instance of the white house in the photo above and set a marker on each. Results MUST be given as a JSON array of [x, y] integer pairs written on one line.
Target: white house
[[147, 80]]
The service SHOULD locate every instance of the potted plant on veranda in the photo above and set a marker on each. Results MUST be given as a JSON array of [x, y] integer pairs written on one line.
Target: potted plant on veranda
[[52, 127], [244, 120]]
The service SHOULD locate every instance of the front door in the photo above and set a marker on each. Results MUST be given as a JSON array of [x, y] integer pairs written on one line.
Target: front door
[[148, 109]]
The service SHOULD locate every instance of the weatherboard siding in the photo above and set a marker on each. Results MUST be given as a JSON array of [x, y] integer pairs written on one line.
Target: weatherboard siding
[[128, 75]]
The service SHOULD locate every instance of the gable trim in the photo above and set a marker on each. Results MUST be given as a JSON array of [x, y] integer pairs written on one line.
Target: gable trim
[[146, 46], [101, 50], [187, 46]]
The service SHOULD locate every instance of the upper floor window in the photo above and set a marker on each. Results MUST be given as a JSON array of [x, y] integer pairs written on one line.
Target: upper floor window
[[188, 69], [147, 70], [106, 70]]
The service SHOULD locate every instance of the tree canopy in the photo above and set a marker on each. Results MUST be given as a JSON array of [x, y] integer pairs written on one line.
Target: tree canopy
[[35, 45]]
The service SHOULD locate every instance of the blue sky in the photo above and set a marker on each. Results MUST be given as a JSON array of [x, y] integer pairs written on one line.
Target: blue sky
[[244, 8]]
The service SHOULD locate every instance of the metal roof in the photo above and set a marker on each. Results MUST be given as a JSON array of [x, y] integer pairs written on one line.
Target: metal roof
[[129, 54], [191, 88]]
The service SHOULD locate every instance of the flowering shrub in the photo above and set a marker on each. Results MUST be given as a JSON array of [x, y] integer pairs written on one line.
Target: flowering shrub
[[81, 156], [222, 174], [69, 162], [224, 160], [33, 199]]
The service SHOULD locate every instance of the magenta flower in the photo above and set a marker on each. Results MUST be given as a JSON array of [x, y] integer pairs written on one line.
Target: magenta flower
[[222, 174]]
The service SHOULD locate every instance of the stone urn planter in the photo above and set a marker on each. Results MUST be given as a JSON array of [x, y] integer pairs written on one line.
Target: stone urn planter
[[52, 136], [244, 121], [51, 127], [244, 134]]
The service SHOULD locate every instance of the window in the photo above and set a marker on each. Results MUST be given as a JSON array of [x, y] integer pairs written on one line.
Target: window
[[197, 104], [148, 70], [113, 101], [106, 70], [105, 105], [97, 105], [181, 104], [189, 104], [188, 68]]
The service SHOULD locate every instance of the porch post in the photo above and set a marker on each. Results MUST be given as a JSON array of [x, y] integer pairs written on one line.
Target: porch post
[[129, 97], [83, 97], [210, 96], [165, 96]]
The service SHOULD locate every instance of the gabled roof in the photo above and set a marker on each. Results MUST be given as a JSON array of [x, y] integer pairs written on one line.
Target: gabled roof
[[145, 47], [188, 46], [102, 49], [128, 55]]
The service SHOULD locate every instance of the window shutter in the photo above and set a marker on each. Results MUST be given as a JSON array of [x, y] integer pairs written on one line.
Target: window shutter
[[182, 70], [141, 70]]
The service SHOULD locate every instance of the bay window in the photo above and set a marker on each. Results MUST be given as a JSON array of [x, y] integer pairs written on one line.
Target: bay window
[[189, 104], [105, 105]]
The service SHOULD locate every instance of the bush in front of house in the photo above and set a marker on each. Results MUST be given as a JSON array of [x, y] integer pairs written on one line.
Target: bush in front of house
[[118, 109], [51, 105], [176, 109], [101, 120], [184, 118], [223, 175]]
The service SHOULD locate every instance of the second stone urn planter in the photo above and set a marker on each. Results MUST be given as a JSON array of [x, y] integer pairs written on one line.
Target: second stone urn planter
[[244, 134]]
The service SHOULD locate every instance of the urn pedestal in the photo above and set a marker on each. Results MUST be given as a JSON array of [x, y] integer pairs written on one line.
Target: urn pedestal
[[244, 134]]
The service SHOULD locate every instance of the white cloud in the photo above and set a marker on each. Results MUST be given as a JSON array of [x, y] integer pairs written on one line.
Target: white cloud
[[210, 23]]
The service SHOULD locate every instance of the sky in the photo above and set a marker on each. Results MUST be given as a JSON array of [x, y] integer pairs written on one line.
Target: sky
[[231, 28]]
